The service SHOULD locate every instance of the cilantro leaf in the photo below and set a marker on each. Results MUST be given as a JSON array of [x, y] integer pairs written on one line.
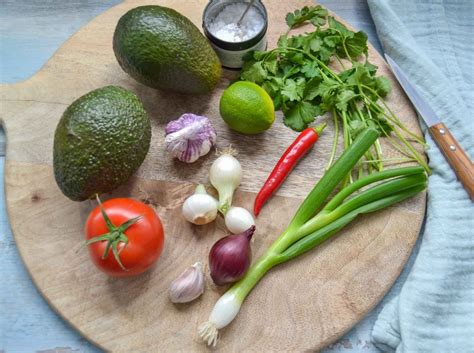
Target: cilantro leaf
[[344, 75], [259, 55], [290, 90], [311, 90], [254, 72], [350, 44], [360, 74], [327, 88], [332, 40], [273, 86], [310, 69], [289, 69], [382, 85], [356, 45], [343, 98], [357, 126], [283, 41], [315, 14], [293, 90], [381, 124], [315, 43], [371, 68], [271, 65], [300, 115], [320, 19], [296, 58], [297, 41], [338, 27]]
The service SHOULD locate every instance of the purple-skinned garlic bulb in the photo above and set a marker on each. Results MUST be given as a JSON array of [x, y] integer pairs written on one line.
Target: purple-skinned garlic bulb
[[189, 137]]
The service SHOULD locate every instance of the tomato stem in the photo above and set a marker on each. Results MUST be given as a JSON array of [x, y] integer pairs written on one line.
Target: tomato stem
[[114, 237]]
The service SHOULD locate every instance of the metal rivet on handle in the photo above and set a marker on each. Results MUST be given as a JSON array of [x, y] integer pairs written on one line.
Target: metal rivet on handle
[[452, 148], [442, 131]]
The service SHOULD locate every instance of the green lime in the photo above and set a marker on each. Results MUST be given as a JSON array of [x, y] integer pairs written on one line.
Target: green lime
[[247, 108]]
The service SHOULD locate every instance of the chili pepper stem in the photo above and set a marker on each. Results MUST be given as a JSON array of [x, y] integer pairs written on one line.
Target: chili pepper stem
[[319, 128]]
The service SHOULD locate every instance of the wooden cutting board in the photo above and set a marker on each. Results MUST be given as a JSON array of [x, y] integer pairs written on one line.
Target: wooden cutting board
[[300, 306]]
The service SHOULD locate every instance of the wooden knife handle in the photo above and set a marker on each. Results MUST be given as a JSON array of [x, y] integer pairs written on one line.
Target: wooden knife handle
[[455, 155]]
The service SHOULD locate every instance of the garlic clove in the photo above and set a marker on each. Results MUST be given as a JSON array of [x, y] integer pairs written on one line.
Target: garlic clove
[[200, 208], [188, 286]]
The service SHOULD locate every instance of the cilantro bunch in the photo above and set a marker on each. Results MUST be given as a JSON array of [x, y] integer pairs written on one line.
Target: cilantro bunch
[[299, 76]]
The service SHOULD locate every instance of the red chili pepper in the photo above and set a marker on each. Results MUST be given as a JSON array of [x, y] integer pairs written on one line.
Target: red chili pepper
[[302, 144]]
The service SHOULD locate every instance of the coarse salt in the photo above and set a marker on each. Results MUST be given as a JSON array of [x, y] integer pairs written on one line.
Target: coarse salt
[[225, 27]]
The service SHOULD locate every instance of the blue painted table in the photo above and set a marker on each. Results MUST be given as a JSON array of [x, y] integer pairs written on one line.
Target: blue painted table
[[30, 32]]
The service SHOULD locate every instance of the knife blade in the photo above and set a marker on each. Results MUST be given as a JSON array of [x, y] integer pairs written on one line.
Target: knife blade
[[423, 108], [452, 151]]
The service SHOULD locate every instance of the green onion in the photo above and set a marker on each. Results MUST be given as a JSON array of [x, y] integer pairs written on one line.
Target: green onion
[[312, 223]]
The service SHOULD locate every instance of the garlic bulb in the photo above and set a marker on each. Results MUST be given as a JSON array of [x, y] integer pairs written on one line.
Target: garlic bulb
[[189, 285], [200, 208], [238, 220], [189, 137]]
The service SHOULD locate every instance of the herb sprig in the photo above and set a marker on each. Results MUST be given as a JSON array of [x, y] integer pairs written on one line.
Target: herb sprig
[[299, 76]]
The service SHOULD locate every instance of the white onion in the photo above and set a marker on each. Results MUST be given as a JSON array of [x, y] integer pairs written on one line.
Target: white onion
[[238, 220], [225, 175], [200, 208]]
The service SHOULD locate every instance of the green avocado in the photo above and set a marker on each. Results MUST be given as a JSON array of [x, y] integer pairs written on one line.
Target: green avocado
[[100, 141], [161, 48]]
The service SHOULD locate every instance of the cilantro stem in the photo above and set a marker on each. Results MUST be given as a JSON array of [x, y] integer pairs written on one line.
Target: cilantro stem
[[335, 139], [395, 160], [397, 146], [347, 142], [377, 146], [319, 62], [340, 61], [345, 50], [411, 151], [414, 152], [393, 117]]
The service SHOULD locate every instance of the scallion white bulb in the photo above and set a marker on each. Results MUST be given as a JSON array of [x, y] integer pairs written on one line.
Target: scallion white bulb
[[225, 175]]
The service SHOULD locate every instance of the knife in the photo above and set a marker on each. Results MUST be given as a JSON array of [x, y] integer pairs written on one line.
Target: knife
[[452, 151]]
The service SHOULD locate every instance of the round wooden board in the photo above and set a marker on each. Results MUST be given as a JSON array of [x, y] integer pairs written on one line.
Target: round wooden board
[[300, 306]]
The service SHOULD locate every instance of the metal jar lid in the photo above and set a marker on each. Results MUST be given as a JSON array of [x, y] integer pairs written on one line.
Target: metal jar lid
[[227, 51]]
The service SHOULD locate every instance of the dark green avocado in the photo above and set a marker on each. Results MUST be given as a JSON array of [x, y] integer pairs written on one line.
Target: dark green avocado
[[161, 48], [100, 141]]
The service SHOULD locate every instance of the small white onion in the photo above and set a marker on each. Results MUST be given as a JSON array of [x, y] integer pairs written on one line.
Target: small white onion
[[200, 208], [225, 175], [238, 220]]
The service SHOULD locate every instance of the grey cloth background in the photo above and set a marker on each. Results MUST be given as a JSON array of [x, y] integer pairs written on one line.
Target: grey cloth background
[[434, 310]]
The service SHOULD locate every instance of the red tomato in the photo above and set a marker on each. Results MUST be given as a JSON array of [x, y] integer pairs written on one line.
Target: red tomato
[[145, 237]]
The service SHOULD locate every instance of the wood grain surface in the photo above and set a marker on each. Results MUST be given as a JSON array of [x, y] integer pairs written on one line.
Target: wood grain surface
[[455, 155], [302, 305]]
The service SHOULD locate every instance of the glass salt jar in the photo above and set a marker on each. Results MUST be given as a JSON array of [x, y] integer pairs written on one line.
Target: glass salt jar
[[232, 40]]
